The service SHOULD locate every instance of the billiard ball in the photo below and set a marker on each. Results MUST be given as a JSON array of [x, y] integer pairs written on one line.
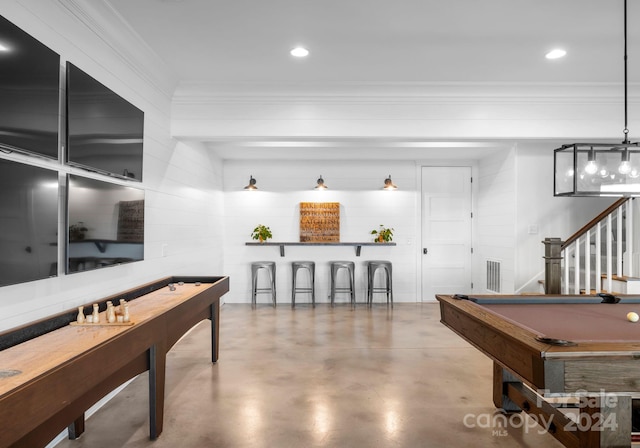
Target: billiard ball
[[632, 317]]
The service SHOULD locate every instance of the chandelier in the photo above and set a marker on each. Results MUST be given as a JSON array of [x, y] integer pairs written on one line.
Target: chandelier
[[599, 169]]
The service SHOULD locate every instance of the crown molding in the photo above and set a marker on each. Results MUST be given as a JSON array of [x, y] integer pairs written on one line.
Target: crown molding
[[100, 18], [397, 93]]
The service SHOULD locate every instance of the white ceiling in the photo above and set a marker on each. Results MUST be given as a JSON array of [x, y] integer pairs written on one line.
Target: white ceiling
[[387, 41], [384, 40]]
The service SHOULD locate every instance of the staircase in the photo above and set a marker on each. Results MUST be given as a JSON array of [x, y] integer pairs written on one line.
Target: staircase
[[599, 257]]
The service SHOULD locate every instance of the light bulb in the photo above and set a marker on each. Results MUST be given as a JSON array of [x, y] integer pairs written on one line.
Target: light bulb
[[591, 167], [556, 53], [299, 52], [625, 163], [625, 167]]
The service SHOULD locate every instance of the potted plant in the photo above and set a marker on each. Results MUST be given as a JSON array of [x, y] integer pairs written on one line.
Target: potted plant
[[77, 231], [261, 233], [383, 234]]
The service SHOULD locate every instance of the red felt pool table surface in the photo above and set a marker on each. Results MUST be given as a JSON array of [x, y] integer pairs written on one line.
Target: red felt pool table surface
[[604, 356], [576, 322]]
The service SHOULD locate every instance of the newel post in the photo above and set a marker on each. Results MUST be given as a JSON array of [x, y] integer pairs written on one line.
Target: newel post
[[552, 265]]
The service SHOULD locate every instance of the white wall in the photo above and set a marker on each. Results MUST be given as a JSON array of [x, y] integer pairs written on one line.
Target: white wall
[[517, 211], [512, 196], [356, 185], [540, 215], [411, 110], [194, 227], [183, 182], [511, 200], [495, 218]]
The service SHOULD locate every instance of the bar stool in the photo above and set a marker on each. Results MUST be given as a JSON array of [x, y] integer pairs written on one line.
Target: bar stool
[[350, 266], [372, 267], [311, 267], [270, 266]]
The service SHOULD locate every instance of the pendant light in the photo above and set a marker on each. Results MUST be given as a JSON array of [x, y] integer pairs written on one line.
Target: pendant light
[[389, 185], [252, 184], [320, 185], [599, 169]]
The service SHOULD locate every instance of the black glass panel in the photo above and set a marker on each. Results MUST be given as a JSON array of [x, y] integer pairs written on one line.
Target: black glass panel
[[104, 131], [29, 93], [28, 223], [105, 224]]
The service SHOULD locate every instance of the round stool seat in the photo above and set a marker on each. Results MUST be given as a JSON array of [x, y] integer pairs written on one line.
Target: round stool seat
[[309, 266], [270, 267], [350, 266], [372, 267]]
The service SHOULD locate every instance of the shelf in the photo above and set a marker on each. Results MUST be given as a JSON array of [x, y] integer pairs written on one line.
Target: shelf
[[358, 246]]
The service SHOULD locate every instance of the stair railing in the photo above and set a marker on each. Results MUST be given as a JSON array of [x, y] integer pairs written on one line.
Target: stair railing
[[578, 274]]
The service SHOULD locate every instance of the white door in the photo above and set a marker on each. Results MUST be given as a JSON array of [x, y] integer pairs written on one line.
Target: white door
[[446, 231]]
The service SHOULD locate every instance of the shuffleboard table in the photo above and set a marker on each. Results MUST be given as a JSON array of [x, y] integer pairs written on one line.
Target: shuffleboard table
[[555, 353], [52, 371]]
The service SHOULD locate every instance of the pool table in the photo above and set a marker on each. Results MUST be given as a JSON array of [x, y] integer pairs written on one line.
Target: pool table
[[553, 353]]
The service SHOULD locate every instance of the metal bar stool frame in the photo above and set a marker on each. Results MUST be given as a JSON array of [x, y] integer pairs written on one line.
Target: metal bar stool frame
[[270, 266], [335, 266], [372, 267], [295, 267]]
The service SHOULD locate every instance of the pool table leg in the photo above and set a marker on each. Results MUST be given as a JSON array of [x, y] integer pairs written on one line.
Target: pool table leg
[[501, 380], [604, 421]]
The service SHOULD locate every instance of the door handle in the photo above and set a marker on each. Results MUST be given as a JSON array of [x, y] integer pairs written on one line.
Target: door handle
[[425, 250]]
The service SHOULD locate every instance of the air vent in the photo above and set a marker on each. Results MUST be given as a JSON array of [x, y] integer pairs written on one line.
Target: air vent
[[493, 276]]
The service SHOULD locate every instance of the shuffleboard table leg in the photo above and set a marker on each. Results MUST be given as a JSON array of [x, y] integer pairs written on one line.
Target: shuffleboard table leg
[[76, 429], [501, 380], [157, 363], [215, 330]]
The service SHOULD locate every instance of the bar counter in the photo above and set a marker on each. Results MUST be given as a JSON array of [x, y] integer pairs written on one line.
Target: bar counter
[[358, 246]]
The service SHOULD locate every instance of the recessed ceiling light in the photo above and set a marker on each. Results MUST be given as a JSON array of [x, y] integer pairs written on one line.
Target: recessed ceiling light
[[556, 53], [299, 52]]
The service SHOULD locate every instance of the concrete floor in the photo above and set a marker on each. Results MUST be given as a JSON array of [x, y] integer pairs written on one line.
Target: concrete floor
[[323, 377]]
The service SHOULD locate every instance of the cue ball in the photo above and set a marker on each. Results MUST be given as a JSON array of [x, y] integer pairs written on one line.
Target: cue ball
[[632, 317]]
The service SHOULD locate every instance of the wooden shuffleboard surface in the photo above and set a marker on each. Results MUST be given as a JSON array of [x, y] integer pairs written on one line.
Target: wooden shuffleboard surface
[[37, 356], [48, 382]]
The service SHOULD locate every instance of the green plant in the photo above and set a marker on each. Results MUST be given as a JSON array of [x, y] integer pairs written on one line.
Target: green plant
[[77, 231], [262, 233], [383, 234]]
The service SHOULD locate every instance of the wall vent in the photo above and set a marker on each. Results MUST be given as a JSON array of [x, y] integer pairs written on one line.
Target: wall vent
[[493, 276]]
